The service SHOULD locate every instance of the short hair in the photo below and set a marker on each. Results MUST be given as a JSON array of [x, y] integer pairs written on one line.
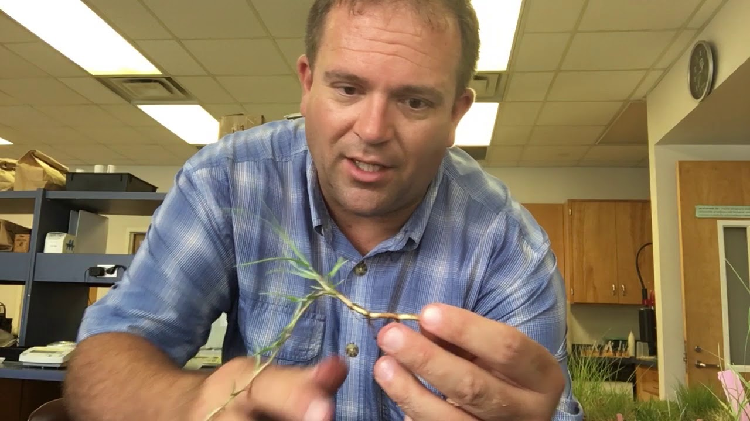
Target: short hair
[[461, 10]]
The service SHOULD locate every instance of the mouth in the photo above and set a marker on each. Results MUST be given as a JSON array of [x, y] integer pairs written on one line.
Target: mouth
[[368, 167]]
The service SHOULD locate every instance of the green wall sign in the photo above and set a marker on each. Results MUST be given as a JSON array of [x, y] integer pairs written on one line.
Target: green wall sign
[[716, 212]]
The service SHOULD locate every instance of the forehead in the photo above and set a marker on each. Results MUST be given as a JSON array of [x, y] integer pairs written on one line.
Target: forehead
[[393, 34]]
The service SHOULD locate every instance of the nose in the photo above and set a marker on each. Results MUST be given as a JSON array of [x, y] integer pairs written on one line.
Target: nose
[[374, 124]]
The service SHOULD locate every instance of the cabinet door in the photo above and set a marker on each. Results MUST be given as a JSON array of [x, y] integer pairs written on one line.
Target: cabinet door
[[633, 231], [551, 217], [593, 252]]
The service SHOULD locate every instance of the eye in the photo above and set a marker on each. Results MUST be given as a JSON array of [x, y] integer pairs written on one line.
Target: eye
[[347, 90], [417, 104]]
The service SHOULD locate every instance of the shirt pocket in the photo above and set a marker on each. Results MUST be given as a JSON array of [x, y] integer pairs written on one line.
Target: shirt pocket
[[262, 320]]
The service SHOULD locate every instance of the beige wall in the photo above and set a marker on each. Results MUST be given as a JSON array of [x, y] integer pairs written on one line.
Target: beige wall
[[668, 104]]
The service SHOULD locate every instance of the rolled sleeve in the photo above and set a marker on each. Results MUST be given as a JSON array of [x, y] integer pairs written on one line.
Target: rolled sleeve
[[180, 279]]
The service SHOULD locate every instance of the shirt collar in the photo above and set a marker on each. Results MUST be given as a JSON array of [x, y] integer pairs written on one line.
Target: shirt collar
[[413, 229]]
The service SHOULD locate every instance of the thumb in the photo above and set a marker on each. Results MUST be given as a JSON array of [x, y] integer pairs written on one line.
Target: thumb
[[330, 373]]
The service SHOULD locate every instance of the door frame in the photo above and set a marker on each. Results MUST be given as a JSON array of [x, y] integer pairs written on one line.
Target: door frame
[[720, 225]]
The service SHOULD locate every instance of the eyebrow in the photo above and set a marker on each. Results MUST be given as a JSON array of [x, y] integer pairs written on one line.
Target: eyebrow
[[405, 90]]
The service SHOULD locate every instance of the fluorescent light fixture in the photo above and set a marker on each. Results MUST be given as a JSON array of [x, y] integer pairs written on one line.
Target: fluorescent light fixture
[[497, 29], [77, 32], [477, 125], [191, 123], [5, 142]]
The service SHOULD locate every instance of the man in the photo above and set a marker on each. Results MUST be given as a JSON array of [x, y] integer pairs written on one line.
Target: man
[[368, 175]]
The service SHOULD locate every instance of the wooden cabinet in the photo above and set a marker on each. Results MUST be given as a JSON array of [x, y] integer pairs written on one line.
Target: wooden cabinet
[[646, 383], [602, 238], [551, 217]]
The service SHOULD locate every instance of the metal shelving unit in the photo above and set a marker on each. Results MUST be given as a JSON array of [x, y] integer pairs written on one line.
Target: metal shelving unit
[[56, 286]]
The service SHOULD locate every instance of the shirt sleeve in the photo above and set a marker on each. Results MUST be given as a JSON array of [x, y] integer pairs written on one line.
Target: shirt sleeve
[[181, 277], [533, 300]]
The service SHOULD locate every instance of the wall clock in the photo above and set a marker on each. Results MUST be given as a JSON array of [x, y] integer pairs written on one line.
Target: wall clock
[[701, 65]]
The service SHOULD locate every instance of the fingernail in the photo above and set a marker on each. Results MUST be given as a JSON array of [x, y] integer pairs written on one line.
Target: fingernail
[[318, 410], [393, 339], [431, 317], [384, 370]]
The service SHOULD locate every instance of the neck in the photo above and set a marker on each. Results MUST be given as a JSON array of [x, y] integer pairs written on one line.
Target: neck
[[366, 232]]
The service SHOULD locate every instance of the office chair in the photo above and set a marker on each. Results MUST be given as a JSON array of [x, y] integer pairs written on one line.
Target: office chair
[[53, 410]]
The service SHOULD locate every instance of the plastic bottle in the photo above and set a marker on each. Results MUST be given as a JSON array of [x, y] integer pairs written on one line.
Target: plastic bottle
[[631, 344]]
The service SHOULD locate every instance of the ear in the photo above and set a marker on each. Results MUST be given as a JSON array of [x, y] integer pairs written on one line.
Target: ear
[[304, 73], [460, 106]]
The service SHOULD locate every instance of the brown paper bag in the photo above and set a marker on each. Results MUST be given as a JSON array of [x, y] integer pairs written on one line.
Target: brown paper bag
[[8, 232], [238, 122], [7, 173], [37, 170]]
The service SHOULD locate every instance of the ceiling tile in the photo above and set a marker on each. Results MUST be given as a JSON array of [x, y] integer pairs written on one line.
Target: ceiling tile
[[616, 50], [130, 115], [25, 116], [683, 41], [547, 164], [205, 89], [57, 135], [12, 31], [57, 152], [12, 151], [43, 56], [171, 57], [554, 153], [284, 19], [93, 90], [6, 99], [528, 86], [291, 48], [566, 135], [511, 135], [279, 89], [578, 113], [182, 150], [704, 13], [79, 115], [504, 153], [219, 110], [617, 153], [140, 151], [14, 66], [115, 135], [12, 135], [629, 15], [498, 164], [595, 86], [234, 57], [552, 15], [539, 52], [94, 153], [200, 19], [130, 18], [272, 111], [647, 84], [518, 113]]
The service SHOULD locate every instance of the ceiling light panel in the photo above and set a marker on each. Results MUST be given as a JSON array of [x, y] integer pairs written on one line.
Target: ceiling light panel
[[498, 20], [477, 125], [191, 123]]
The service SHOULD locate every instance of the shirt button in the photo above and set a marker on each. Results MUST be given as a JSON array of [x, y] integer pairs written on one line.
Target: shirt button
[[352, 350], [360, 269]]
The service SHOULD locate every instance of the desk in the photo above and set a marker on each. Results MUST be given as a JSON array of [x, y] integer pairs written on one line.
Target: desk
[[16, 370]]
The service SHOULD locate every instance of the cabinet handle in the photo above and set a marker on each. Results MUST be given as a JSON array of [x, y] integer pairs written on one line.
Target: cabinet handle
[[614, 289], [623, 290]]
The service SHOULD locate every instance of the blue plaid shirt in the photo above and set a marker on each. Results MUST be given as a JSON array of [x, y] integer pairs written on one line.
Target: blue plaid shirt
[[468, 244]]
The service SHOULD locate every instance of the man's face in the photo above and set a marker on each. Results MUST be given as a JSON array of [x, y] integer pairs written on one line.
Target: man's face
[[380, 108]]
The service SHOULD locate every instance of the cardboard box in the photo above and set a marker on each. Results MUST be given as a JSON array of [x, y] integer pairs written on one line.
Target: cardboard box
[[21, 243], [8, 232], [59, 242], [237, 122], [36, 170]]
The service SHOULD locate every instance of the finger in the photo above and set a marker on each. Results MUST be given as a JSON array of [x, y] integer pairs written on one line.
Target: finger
[[330, 373], [508, 353], [290, 394], [473, 389], [452, 348], [418, 403]]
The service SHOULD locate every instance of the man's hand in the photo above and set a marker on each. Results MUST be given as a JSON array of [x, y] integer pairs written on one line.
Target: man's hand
[[487, 370], [278, 393]]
